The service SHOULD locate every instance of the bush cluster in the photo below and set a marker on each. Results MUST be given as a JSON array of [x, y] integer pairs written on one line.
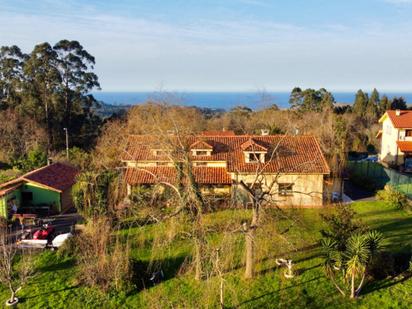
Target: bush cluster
[[393, 197]]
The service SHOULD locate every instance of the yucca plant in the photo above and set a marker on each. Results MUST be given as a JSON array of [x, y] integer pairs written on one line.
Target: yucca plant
[[351, 264]]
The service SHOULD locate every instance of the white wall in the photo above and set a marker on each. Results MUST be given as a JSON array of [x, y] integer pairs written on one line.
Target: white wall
[[389, 137], [307, 189]]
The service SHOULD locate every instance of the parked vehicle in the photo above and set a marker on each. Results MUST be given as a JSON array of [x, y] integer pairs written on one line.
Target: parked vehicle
[[55, 243], [45, 232]]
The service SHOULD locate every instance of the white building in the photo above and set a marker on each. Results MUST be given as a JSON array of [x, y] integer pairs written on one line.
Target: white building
[[396, 139]]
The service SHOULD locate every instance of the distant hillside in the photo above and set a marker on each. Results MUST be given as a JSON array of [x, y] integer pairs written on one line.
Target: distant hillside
[[108, 110]]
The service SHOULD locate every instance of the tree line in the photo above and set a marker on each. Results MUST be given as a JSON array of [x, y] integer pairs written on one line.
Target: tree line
[[47, 89]]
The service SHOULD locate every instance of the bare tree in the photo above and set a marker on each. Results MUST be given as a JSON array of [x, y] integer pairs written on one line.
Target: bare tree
[[263, 193], [13, 275], [172, 129]]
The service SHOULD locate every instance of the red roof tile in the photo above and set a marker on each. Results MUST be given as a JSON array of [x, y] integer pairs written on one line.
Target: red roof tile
[[201, 145], [404, 146], [151, 175], [285, 154], [9, 187], [57, 176], [404, 120], [252, 145]]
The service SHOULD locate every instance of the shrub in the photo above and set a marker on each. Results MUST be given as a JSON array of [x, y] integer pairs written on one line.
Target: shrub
[[103, 260], [34, 159], [341, 225], [141, 195], [69, 248], [393, 197]]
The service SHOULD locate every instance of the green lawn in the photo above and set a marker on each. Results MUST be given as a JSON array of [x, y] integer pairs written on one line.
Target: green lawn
[[55, 285]]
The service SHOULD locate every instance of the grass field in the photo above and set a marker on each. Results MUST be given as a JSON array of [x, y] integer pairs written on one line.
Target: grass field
[[55, 285]]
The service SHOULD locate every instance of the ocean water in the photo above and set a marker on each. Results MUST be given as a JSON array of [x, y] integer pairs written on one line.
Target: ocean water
[[221, 100]]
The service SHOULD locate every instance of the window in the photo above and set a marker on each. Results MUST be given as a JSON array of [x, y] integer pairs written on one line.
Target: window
[[201, 164], [27, 196], [161, 152], [388, 129], [253, 157], [408, 133], [201, 153], [162, 163], [286, 189]]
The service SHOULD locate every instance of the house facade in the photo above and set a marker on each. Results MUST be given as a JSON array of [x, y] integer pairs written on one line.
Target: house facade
[[294, 164], [47, 188], [396, 139]]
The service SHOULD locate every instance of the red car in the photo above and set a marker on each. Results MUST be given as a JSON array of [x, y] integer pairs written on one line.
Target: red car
[[44, 233]]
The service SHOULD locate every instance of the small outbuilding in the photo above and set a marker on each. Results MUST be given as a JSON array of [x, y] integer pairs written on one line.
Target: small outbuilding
[[45, 190]]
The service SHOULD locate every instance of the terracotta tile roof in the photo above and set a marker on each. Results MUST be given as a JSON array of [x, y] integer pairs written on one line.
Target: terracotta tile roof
[[57, 176], [404, 146], [218, 133], [285, 154], [404, 120], [9, 187], [151, 175], [252, 145], [201, 145]]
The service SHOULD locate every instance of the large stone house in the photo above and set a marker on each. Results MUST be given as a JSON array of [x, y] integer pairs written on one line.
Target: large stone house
[[396, 139], [221, 160]]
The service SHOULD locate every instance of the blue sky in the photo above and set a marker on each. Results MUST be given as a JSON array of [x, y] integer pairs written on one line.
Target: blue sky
[[227, 45]]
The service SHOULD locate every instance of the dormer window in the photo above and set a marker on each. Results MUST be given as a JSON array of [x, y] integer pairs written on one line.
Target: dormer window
[[254, 152], [201, 148], [254, 157], [160, 152], [201, 153]]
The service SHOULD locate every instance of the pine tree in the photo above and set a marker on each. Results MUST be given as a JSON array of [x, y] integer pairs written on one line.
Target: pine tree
[[399, 103], [361, 103], [372, 109], [384, 105]]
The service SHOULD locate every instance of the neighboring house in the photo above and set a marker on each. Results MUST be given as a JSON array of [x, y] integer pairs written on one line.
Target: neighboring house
[[221, 160], [396, 139], [47, 188]]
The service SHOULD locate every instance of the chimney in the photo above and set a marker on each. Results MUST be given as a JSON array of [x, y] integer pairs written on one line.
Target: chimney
[[264, 132], [398, 112]]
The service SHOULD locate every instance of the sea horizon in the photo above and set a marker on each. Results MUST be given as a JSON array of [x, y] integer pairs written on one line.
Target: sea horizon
[[221, 99]]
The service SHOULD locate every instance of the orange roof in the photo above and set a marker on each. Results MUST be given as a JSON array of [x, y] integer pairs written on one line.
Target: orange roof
[[57, 177], [404, 146], [251, 145], [9, 187], [404, 120], [151, 175], [285, 154], [201, 145]]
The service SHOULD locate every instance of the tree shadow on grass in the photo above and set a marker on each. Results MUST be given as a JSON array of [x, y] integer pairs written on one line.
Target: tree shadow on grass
[[277, 291], [146, 274], [397, 225], [23, 299], [393, 270], [57, 266]]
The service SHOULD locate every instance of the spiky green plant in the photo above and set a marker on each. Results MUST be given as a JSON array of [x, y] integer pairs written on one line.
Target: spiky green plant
[[351, 264]]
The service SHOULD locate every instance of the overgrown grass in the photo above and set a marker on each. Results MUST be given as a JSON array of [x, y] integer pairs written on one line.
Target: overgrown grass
[[164, 245]]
